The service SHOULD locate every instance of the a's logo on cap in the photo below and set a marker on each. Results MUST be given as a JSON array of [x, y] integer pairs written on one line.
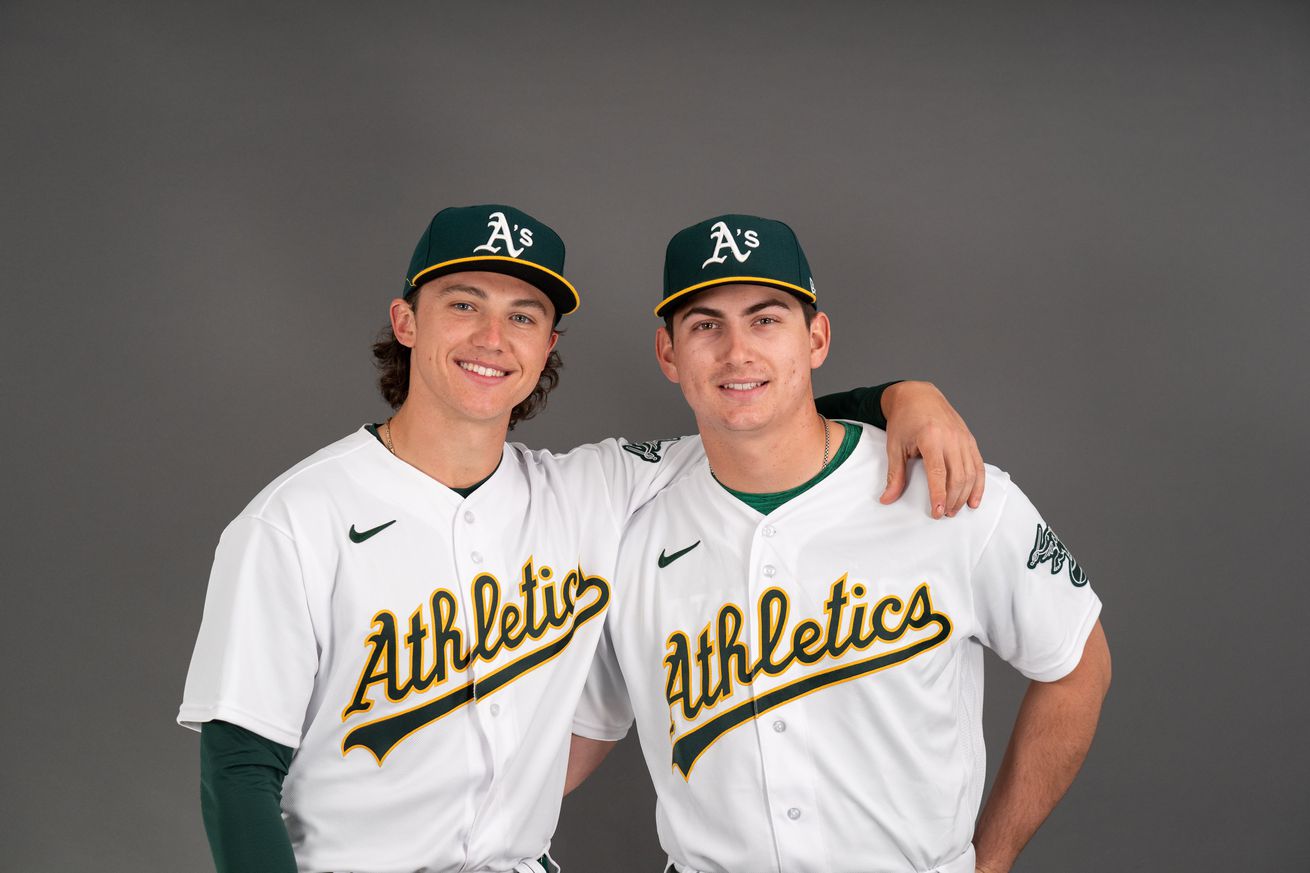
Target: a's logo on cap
[[724, 241], [500, 232]]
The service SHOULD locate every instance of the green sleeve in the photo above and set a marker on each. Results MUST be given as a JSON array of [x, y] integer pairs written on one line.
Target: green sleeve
[[860, 404], [241, 777]]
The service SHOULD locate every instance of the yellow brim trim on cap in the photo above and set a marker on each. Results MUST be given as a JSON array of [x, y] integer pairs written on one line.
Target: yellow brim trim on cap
[[549, 272], [738, 280]]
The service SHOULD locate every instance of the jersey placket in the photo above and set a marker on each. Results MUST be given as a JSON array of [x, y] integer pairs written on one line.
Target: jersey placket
[[780, 734], [471, 554], [496, 712], [475, 535]]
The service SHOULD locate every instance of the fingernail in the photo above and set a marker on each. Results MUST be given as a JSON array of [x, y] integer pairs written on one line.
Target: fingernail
[[937, 511]]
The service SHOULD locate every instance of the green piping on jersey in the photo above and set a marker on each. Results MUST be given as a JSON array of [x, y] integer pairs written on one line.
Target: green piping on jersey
[[766, 503]]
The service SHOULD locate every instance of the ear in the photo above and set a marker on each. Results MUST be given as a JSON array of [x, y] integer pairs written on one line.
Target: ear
[[820, 340], [403, 322], [554, 338], [664, 355]]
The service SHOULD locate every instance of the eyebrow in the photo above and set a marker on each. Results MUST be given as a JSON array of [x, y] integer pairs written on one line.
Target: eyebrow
[[529, 303], [467, 289], [717, 313], [473, 290]]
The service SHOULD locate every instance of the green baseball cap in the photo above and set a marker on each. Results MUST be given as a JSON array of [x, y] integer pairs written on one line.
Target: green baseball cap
[[735, 249], [498, 239]]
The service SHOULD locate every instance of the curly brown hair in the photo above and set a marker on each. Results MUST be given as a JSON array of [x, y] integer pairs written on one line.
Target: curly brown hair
[[391, 357]]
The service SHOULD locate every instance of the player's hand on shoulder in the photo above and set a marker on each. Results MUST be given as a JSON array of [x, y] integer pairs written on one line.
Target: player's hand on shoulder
[[921, 423]]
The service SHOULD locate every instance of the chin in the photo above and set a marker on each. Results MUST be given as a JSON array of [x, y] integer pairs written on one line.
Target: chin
[[485, 411], [742, 420]]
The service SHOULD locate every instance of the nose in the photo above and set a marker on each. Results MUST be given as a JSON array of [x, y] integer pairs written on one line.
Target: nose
[[489, 334], [738, 349]]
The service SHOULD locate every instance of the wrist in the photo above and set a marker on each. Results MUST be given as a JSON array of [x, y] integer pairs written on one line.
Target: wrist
[[990, 867], [894, 393], [986, 861]]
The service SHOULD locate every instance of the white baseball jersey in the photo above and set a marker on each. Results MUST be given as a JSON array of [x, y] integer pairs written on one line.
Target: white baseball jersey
[[807, 685], [420, 651]]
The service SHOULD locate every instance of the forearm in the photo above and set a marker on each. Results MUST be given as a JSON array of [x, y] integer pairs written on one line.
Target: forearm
[[1051, 736], [585, 755], [240, 799]]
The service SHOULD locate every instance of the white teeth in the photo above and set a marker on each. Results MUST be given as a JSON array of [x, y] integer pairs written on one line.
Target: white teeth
[[741, 386], [480, 370]]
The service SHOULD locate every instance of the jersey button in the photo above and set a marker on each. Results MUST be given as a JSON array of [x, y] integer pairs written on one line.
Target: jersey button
[[768, 530], [793, 813], [495, 710], [477, 557], [769, 570], [469, 517], [779, 726]]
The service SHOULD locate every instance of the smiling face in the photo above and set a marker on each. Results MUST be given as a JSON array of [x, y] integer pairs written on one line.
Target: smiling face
[[742, 355], [478, 342]]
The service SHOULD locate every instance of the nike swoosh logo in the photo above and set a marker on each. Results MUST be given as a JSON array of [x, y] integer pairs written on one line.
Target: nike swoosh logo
[[360, 536], [666, 560]]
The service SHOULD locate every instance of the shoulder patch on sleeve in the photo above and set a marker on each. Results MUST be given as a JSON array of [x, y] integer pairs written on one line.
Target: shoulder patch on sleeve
[[650, 450], [1047, 547]]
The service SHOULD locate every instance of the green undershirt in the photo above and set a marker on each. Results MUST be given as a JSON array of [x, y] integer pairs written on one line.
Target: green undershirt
[[766, 503], [241, 777], [859, 404]]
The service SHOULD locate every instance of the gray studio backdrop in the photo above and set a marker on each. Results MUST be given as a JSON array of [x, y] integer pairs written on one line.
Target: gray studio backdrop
[[1087, 222]]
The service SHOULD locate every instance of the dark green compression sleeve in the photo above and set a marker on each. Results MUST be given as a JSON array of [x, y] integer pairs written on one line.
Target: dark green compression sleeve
[[860, 404], [241, 777]]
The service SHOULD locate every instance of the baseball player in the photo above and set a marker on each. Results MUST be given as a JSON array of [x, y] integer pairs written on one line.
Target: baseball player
[[396, 629], [803, 663]]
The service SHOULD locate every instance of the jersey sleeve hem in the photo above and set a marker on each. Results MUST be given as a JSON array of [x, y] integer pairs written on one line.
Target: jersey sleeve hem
[[1066, 665], [606, 733], [194, 715]]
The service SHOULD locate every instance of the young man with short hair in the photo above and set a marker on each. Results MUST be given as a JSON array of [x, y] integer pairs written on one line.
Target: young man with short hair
[[803, 662]]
